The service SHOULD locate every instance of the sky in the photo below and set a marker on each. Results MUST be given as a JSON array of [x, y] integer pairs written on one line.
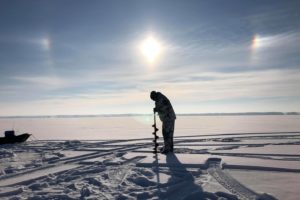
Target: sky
[[72, 57]]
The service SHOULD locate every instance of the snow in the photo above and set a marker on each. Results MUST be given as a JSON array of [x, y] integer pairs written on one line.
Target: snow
[[282, 185], [227, 168], [267, 149], [171, 160], [244, 142], [36, 174], [260, 162], [133, 127]]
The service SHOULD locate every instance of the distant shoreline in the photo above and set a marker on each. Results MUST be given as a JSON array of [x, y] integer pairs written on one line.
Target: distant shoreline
[[133, 114]]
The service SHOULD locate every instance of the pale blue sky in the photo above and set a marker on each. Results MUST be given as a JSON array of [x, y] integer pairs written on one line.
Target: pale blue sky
[[84, 57]]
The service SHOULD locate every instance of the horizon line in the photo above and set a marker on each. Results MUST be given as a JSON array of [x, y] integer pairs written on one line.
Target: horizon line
[[143, 114]]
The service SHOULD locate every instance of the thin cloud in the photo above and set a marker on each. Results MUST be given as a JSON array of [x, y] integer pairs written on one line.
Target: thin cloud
[[50, 82]]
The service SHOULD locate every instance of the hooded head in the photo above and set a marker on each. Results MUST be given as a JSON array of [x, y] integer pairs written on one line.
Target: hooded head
[[153, 95]]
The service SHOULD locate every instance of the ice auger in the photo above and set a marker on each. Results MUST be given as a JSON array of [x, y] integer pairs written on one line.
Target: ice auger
[[155, 135]]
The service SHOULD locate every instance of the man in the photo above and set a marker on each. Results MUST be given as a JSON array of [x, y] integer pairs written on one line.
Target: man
[[167, 115]]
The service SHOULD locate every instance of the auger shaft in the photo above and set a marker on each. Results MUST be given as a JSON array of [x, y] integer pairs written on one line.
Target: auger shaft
[[155, 135]]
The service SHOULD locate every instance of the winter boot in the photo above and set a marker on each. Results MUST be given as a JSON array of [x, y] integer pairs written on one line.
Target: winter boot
[[164, 150]]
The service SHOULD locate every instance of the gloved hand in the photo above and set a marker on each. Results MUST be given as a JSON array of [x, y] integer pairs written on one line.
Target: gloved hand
[[154, 110]]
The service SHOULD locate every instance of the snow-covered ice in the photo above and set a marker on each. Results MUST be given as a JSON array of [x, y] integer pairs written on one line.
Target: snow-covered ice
[[239, 166]]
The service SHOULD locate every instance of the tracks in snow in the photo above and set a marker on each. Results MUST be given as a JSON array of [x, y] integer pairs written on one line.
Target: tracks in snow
[[61, 165], [231, 184]]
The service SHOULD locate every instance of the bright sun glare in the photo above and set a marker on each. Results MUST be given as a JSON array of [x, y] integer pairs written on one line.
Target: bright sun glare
[[151, 49]]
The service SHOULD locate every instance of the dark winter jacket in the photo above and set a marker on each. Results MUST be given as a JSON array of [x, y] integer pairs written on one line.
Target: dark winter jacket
[[164, 108]]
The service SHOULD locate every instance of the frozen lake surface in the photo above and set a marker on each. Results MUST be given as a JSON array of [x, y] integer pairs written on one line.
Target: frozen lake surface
[[238, 166], [224, 157], [97, 128]]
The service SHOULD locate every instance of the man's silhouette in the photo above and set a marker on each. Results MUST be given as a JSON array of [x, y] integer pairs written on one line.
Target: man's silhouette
[[167, 115]]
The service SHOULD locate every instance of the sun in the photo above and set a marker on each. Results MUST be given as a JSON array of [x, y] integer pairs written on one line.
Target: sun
[[151, 48]]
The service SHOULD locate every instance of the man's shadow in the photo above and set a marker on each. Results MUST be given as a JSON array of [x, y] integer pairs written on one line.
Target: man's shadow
[[181, 184]]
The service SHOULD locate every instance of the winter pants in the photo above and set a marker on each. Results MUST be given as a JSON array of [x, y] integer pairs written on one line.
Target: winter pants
[[168, 132]]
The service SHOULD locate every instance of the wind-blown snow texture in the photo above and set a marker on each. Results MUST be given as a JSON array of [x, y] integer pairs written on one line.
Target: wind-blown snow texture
[[202, 167]]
